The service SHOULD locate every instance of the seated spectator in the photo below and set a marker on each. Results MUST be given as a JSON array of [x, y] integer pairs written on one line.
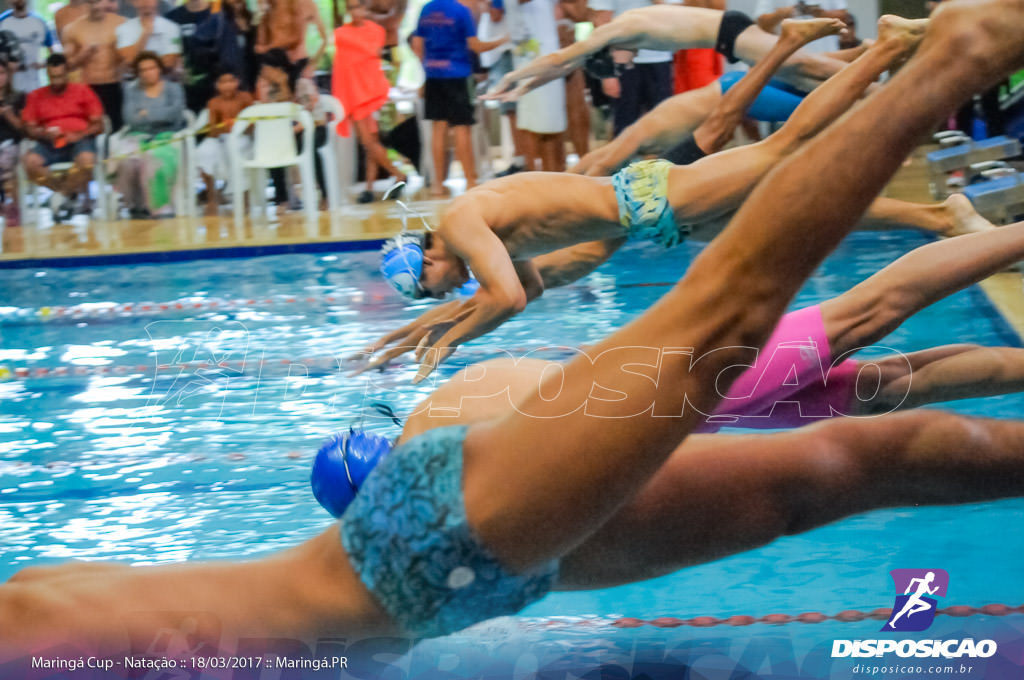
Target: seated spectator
[[154, 109], [63, 118], [213, 157], [149, 32], [90, 44], [11, 104]]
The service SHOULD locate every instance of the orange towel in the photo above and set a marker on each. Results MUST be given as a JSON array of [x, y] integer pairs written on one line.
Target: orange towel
[[358, 80]]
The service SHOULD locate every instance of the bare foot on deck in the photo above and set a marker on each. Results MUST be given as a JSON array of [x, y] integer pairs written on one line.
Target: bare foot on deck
[[963, 217], [808, 30]]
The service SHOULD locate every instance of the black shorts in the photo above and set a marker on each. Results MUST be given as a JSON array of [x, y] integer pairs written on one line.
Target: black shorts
[[112, 98], [685, 152], [448, 99]]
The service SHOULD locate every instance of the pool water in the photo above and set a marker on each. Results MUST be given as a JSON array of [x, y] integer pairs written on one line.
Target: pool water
[[214, 462]]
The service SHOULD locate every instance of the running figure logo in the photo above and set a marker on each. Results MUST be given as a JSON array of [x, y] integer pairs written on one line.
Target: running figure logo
[[914, 610]]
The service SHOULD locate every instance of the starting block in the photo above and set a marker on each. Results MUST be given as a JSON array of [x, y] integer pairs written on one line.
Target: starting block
[[999, 199], [964, 155]]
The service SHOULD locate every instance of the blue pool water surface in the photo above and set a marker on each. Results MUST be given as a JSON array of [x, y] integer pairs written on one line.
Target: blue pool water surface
[[214, 463]]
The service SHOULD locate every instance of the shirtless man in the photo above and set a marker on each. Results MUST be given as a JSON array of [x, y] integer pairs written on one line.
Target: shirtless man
[[71, 12], [284, 26], [668, 28], [90, 44], [496, 229], [508, 508]]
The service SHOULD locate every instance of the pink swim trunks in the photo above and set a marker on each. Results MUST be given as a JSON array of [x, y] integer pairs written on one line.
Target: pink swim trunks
[[793, 381]]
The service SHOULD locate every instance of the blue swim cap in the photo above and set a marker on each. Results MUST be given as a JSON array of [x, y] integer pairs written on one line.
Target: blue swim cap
[[401, 263], [468, 289], [342, 465]]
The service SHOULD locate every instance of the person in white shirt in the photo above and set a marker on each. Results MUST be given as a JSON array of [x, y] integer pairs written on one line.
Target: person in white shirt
[[149, 32], [33, 35]]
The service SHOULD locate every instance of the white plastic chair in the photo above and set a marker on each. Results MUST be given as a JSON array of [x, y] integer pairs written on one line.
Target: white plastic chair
[[328, 152], [273, 147], [191, 155]]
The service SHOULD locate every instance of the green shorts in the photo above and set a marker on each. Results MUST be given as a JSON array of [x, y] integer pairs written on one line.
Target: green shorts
[[641, 190]]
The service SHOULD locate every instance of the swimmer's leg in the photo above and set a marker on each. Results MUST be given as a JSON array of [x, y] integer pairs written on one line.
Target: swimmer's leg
[[804, 70], [719, 183], [877, 306], [662, 128], [953, 217], [722, 494], [939, 374], [715, 132], [527, 515]]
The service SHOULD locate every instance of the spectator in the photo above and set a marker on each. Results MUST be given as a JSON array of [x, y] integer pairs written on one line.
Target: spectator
[[697, 67], [62, 18], [11, 104], [283, 25], [214, 158], [33, 35], [388, 14], [643, 82], [358, 82], [10, 49], [444, 37], [90, 44], [154, 110], [542, 114], [149, 32], [63, 118], [770, 14], [202, 31], [495, 22], [238, 53], [126, 8]]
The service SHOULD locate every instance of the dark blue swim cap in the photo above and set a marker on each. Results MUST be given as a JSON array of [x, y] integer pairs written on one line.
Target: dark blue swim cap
[[342, 465]]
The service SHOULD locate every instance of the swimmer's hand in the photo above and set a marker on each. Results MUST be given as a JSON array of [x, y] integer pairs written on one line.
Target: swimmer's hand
[[540, 71], [477, 316], [405, 339]]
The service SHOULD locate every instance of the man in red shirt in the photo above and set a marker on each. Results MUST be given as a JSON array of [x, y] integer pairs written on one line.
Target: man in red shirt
[[63, 118]]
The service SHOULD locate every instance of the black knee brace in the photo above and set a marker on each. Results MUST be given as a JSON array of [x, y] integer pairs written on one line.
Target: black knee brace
[[733, 23]]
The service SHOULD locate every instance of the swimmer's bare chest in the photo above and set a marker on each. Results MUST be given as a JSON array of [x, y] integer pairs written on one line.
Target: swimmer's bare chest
[[548, 218]]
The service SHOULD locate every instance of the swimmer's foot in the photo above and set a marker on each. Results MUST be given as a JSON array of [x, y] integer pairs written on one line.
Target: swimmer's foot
[[964, 219], [907, 31], [809, 30]]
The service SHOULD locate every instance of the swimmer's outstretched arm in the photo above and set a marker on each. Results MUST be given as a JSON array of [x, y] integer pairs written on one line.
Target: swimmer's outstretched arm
[[669, 123], [609, 445], [668, 27]]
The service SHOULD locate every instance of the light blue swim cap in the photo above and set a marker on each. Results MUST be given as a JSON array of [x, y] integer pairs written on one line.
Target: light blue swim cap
[[342, 465], [401, 263]]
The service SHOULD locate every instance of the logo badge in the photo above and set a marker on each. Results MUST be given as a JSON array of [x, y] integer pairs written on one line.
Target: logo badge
[[915, 605]]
